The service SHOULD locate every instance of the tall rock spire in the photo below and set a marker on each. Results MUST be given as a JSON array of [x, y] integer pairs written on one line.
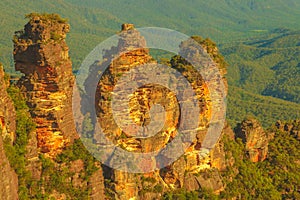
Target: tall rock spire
[[41, 54]]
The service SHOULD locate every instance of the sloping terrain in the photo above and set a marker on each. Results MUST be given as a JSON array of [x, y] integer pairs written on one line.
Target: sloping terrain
[[267, 66], [93, 21], [262, 53]]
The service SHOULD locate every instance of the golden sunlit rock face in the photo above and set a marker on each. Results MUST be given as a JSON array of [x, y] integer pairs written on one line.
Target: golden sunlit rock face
[[255, 139], [41, 54], [130, 53]]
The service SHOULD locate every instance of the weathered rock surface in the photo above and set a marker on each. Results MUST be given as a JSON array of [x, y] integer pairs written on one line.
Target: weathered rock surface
[[292, 127], [185, 172], [130, 53], [255, 139], [41, 54], [217, 154], [211, 179], [33, 164], [8, 177], [7, 110], [96, 183]]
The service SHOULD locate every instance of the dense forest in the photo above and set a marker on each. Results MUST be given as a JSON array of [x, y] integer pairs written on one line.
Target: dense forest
[[262, 50], [259, 45]]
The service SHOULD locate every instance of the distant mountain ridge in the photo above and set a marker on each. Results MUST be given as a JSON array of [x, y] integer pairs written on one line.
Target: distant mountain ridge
[[94, 20], [262, 29], [247, 162], [269, 66]]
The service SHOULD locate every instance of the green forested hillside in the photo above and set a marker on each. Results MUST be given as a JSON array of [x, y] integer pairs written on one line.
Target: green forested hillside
[[218, 18], [269, 66], [94, 20], [275, 178], [264, 75], [267, 110], [258, 38], [260, 41], [89, 26]]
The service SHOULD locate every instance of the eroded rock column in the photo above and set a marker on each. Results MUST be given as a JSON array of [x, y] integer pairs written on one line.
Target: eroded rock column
[[41, 54]]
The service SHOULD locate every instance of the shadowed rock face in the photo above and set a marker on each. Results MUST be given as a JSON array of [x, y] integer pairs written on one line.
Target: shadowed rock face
[[8, 177], [255, 139], [41, 54], [291, 127], [7, 110]]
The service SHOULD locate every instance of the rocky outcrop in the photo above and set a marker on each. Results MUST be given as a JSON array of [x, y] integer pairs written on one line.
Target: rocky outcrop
[[130, 53], [209, 179], [8, 177], [7, 110], [41, 54], [96, 184], [210, 47], [255, 139], [217, 154], [292, 127], [186, 171], [120, 60], [33, 164]]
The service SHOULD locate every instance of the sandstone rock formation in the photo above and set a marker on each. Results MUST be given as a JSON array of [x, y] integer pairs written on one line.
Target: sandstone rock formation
[[8, 177], [7, 110], [120, 60], [130, 53], [291, 127], [207, 179], [186, 172], [41, 54], [217, 154], [255, 139], [96, 183]]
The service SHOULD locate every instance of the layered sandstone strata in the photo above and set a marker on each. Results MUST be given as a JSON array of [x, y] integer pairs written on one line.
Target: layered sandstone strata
[[41, 54], [255, 138], [130, 54]]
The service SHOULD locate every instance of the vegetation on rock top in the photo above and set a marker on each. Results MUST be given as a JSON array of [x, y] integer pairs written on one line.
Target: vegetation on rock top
[[46, 17]]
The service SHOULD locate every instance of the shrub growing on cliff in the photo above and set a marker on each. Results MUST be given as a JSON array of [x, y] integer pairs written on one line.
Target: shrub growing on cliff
[[46, 17], [87, 126], [282, 164], [54, 36], [212, 50], [246, 180], [16, 153], [75, 152], [181, 194]]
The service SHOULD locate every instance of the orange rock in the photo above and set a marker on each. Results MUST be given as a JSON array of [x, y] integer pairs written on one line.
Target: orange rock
[[40, 54]]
